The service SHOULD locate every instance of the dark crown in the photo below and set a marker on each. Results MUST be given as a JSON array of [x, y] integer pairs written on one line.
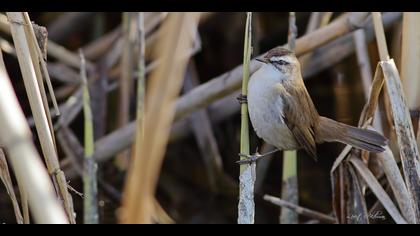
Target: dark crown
[[278, 52]]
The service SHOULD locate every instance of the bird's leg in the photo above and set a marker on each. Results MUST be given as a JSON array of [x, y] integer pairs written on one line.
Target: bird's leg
[[249, 158], [243, 99], [254, 158]]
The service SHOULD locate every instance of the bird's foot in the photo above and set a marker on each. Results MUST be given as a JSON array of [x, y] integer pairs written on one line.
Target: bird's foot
[[243, 99], [249, 159]]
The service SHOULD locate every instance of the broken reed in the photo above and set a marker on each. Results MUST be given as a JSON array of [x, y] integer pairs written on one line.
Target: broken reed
[[402, 119]]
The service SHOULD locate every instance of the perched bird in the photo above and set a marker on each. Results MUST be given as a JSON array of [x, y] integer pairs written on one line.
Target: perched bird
[[283, 114]]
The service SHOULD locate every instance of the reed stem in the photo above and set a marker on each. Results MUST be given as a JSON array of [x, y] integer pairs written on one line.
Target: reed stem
[[90, 185], [247, 177]]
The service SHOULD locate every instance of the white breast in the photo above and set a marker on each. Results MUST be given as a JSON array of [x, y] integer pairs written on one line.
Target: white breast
[[266, 108]]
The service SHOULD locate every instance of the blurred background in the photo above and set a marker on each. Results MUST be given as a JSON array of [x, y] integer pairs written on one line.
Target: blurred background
[[191, 187]]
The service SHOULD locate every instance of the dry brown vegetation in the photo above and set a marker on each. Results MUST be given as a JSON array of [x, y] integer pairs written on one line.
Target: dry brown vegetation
[[133, 118]]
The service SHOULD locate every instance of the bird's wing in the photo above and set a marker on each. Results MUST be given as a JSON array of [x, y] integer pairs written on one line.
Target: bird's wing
[[300, 115]]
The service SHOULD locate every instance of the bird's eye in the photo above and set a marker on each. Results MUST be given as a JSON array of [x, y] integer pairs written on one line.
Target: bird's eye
[[278, 61], [282, 62]]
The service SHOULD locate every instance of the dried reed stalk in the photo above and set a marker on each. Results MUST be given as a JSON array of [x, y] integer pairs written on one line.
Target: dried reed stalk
[[405, 135], [141, 73], [176, 39], [348, 199], [55, 50], [313, 24], [23, 50], [402, 120], [387, 69], [363, 60], [97, 48], [380, 36], [109, 60], [326, 18], [73, 105], [397, 184], [300, 210], [126, 81], [289, 190], [377, 189], [386, 159], [410, 69], [25, 204], [30, 171], [58, 71], [37, 56], [153, 22], [390, 167]]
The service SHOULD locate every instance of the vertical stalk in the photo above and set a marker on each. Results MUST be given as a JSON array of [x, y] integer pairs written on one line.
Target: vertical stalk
[[246, 206], [410, 71], [380, 36], [25, 206], [90, 187], [289, 191], [175, 39], [126, 82], [140, 85]]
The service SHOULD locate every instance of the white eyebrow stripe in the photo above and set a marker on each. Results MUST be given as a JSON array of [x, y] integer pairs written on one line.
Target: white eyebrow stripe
[[276, 58]]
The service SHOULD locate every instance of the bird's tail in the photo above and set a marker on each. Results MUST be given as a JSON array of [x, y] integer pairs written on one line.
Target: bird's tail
[[369, 140]]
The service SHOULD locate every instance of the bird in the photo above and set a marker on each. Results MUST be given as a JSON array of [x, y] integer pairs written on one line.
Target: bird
[[282, 112]]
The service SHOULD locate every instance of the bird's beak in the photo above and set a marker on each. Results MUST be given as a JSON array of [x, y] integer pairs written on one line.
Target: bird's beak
[[262, 59]]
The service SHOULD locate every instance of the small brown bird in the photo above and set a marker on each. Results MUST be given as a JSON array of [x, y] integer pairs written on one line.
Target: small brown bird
[[283, 114]]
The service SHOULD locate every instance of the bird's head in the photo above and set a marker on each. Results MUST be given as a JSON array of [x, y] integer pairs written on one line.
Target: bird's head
[[282, 59]]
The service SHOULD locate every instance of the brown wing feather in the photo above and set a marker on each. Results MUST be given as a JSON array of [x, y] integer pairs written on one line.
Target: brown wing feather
[[300, 116]]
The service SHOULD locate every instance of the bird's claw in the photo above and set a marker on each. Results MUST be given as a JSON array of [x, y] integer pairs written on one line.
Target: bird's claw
[[249, 158], [243, 99]]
